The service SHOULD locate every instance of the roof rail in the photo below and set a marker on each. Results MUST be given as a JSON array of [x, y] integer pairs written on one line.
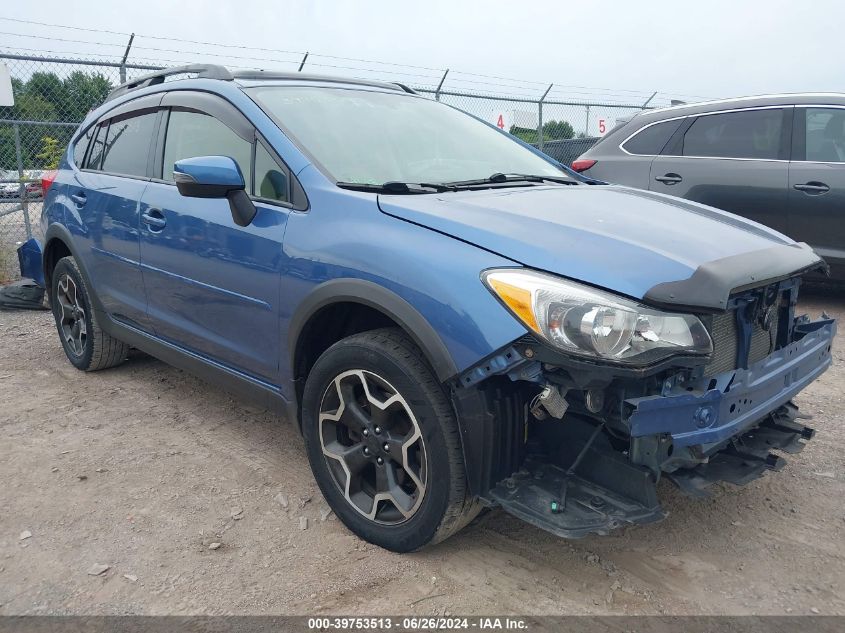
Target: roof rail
[[206, 71], [258, 75]]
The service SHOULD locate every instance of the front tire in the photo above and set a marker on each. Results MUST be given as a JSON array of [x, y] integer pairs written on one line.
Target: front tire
[[383, 442], [86, 345]]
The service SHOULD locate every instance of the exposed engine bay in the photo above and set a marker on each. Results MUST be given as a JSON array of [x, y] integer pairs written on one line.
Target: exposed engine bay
[[577, 447]]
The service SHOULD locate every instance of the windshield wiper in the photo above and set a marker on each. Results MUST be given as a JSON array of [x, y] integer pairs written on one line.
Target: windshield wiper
[[396, 187], [499, 179]]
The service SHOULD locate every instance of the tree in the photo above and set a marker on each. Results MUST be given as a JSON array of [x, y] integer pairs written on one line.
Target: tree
[[45, 97], [51, 153], [552, 131], [557, 130], [48, 87], [527, 134], [84, 92]]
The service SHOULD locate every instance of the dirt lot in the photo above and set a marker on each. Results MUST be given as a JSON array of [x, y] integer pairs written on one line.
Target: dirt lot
[[143, 467]]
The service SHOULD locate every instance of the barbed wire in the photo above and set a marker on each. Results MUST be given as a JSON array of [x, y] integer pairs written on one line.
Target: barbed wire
[[457, 78]]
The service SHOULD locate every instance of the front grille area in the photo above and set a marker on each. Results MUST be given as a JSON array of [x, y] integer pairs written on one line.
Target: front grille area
[[725, 334]]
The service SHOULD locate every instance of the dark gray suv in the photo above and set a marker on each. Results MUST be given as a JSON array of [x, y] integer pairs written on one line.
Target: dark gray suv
[[778, 160]]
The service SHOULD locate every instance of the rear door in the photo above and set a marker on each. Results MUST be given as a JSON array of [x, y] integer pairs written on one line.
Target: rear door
[[630, 163], [736, 161], [817, 182], [106, 195], [213, 286]]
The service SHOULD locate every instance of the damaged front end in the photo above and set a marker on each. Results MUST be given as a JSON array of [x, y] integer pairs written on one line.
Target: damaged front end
[[576, 446]]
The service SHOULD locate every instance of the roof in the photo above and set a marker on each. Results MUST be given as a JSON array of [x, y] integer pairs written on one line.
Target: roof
[[221, 73], [783, 99]]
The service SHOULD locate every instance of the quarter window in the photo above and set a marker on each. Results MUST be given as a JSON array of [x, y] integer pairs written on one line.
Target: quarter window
[[81, 146], [191, 134], [746, 134], [95, 156], [825, 135], [128, 144], [651, 140], [271, 181]]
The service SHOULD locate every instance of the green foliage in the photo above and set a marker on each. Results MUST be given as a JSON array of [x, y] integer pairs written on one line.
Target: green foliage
[[85, 92], [529, 135], [46, 97], [557, 130], [51, 153], [552, 131]]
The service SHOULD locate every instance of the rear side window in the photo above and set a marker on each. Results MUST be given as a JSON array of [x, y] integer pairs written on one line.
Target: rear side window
[[191, 134], [81, 146], [747, 134], [95, 156], [651, 140], [128, 144], [824, 131]]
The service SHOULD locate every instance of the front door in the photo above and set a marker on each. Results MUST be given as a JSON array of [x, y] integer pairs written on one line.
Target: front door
[[736, 161], [213, 286], [817, 183]]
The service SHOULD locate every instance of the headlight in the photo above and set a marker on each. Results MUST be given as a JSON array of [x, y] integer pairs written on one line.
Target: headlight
[[585, 321]]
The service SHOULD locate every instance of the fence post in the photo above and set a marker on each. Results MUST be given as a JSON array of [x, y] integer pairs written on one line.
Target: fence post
[[440, 85], [540, 118], [123, 61], [21, 185], [587, 122]]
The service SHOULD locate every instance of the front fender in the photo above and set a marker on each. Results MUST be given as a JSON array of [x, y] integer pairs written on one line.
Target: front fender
[[386, 301], [345, 248]]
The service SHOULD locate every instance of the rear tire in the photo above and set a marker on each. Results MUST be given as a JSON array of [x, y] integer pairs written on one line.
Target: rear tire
[[383, 442], [86, 345]]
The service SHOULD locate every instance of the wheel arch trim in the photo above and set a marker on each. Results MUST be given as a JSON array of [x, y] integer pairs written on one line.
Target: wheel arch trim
[[379, 298], [61, 233]]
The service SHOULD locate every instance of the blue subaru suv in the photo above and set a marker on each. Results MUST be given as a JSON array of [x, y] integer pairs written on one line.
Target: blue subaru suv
[[452, 319]]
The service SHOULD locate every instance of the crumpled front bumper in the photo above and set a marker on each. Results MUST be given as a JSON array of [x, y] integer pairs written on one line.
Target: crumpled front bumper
[[741, 398]]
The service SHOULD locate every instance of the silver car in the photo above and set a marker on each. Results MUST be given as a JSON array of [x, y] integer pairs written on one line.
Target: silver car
[[778, 160]]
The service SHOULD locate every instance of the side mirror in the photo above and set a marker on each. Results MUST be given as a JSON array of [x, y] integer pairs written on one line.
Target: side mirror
[[215, 177]]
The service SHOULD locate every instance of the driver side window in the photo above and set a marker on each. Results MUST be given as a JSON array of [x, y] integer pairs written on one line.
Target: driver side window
[[191, 134]]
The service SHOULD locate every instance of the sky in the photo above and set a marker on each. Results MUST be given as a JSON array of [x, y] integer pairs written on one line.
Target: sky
[[616, 50]]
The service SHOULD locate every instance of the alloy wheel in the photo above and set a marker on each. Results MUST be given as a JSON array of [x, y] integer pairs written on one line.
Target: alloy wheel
[[72, 316], [373, 446]]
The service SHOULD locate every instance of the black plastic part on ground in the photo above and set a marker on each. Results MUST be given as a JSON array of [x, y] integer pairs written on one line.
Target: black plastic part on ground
[[22, 295]]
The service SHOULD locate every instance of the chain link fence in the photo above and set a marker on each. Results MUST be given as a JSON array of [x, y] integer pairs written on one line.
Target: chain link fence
[[53, 95]]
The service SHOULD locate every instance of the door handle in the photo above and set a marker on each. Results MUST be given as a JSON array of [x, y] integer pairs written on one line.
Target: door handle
[[79, 198], [669, 179], [813, 188], [154, 219]]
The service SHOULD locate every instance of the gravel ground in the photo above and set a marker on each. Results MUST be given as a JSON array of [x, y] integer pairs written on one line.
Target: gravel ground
[[143, 468]]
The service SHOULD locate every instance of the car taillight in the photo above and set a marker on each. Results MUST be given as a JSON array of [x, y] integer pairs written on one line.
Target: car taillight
[[47, 180], [582, 164]]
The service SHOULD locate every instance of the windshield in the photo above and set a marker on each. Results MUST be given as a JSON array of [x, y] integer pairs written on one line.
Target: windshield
[[362, 136]]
